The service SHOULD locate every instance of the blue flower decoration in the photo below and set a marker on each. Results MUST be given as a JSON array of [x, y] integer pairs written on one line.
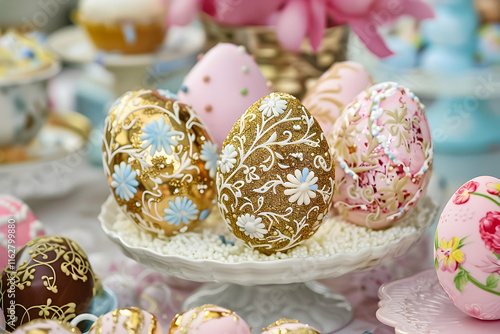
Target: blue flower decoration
[[159, 136], [210, 155], [204, 214], [305, 178], [124, 181], [181, 210]]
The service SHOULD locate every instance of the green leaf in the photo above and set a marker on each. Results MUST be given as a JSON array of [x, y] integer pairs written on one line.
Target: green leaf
[[436, 240], [461, 242], [497, 255], [461, 280], [492, 281], [436, 263]]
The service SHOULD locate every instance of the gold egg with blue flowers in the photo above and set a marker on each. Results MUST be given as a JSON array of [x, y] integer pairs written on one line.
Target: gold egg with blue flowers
[[160, 162]]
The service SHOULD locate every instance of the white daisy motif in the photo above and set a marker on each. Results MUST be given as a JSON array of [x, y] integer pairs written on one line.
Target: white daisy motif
[[272, 105], [251, 226], [227, 158], [302, 186], [210, 155]]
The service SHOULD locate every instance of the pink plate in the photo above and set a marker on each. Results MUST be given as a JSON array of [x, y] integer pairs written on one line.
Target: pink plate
[[418, 305]]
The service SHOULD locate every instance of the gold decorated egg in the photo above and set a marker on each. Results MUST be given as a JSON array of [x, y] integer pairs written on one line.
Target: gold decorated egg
[[160, 161], [275, 176]]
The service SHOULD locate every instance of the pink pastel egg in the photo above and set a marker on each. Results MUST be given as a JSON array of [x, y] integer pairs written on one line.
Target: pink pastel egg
[[467, 248], [290, 326], [221, 87], [46, 326], [335, 88], [383, 153], [17, 223], [208, 319], [126, 321]]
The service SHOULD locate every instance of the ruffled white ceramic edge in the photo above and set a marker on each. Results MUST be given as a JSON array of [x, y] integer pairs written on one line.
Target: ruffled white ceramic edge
[[282, 271], [418, 304], [40, 75], [49, 175]]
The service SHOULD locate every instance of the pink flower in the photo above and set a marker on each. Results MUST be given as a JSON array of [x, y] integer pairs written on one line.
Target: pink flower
[[489, 228], [491, 265], [366, 16], [493, 188], [449, 256], [294, 20], [462, 195]]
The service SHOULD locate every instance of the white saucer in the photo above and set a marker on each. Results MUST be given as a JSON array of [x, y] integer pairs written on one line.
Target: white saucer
[[44, 168], [73, 45], [254, 270], [418, 304]]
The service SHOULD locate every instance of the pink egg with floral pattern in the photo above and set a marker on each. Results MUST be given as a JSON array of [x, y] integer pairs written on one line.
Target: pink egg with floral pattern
[[335, 88], [383, 154], [208, 319], [18, 225], [467, 248]]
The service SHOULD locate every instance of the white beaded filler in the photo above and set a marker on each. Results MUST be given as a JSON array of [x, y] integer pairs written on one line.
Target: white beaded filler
[[333, 237]]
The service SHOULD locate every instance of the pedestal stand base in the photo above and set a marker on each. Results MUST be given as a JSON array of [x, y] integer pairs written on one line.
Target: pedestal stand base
[[260, 305]]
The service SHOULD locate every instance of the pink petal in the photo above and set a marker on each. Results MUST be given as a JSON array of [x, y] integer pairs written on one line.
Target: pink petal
[[418, 10], [291, 25], [209, 7], [371, 38], [182, 12], [317, 24], [353, 7]]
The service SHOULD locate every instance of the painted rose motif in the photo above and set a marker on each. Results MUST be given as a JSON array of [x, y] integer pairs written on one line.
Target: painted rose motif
[[489, 228], [462, 195], [448, 254], [472, 214]]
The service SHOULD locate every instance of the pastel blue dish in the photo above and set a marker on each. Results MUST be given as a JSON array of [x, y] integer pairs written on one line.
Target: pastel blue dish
[[459, 127], [405, 53], [101, 304], [450, 39]]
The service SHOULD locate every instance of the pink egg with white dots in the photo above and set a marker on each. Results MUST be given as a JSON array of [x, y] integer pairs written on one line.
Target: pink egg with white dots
[[18, 225], [221, 87], [467, 248], [383, 155], [208, 319]]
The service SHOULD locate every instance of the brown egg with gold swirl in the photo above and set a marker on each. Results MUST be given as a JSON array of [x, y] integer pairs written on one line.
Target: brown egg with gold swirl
[[160, 161], [126, 321], [275, 177], [50, 278]]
